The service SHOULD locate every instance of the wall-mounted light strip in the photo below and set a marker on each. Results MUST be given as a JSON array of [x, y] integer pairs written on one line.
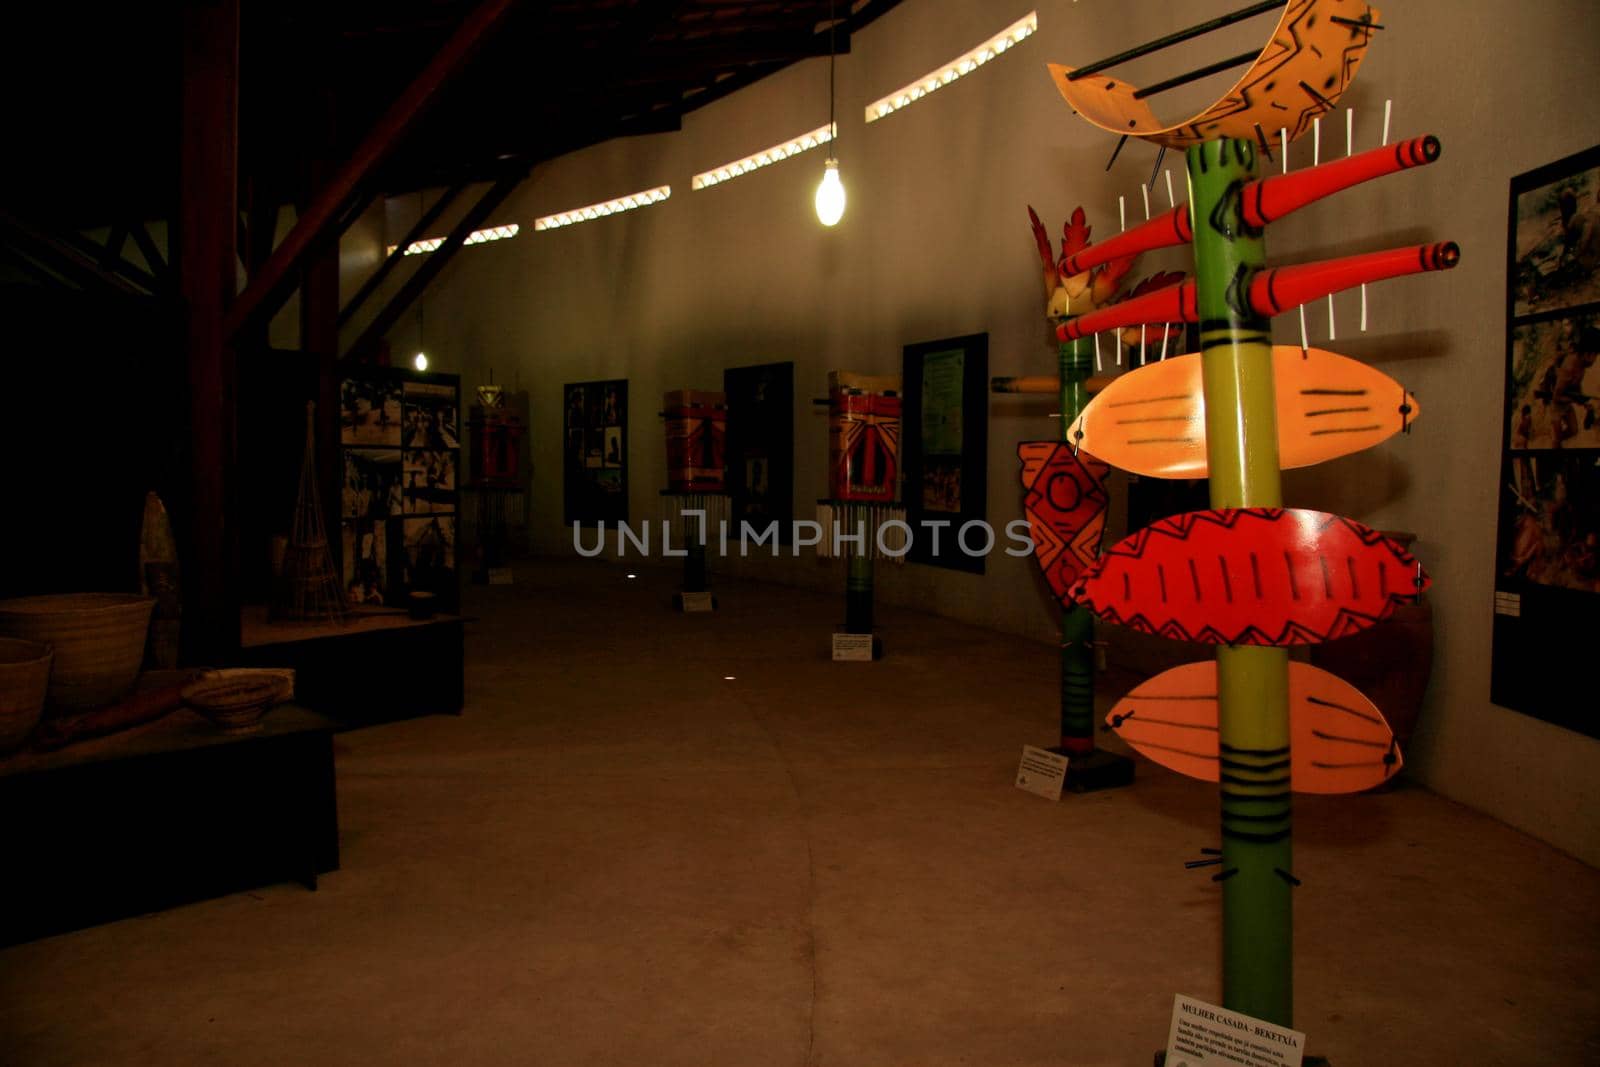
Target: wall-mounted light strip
[[778, 152], [958, 67], [476, 237], [610, 207]]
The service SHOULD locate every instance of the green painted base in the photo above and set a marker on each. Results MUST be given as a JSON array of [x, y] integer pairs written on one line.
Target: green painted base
[[1096, 771], [1309, 1061]]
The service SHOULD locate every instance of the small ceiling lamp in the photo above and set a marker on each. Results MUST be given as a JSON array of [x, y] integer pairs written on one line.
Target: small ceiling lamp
[[830, 191]]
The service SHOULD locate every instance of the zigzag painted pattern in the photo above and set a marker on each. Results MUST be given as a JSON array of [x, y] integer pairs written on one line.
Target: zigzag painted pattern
[[1251, 576]]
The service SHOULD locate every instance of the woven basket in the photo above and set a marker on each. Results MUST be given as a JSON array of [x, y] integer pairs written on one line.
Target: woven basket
[[98, 638], [24, 679], [235, 700]]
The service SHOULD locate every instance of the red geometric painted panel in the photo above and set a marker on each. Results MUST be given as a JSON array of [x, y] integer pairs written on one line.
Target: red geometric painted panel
[[1065, 503], [1251, 576]]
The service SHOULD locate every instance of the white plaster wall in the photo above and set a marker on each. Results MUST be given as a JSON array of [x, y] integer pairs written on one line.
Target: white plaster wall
[[935, 243]]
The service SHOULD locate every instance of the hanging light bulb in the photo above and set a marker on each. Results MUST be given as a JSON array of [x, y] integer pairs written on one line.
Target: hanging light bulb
[[830, 195], [830, 191], [421, 361]]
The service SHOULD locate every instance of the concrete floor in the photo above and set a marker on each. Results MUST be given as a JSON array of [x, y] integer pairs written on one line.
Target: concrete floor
[[617, 856]]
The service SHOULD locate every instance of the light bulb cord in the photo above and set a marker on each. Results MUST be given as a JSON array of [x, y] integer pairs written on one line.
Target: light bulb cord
[[833, 129]]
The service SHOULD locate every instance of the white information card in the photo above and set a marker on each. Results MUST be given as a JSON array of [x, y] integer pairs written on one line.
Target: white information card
[[1042, 772], [695, 601], [854, 647], [1204, 1035]]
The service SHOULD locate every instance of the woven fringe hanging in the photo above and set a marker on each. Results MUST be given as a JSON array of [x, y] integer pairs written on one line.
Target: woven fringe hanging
[[867, 520], [674, 505]]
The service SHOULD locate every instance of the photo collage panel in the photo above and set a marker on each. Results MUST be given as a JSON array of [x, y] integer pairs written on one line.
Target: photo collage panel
[[401, 487]]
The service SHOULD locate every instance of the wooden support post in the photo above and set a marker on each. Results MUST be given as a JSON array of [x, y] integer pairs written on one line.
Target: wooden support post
[[333, 203], [319, 319], [207, 269]]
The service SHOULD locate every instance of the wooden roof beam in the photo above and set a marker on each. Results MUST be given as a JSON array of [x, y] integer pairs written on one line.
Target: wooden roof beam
[[435, 262], [319, 223]]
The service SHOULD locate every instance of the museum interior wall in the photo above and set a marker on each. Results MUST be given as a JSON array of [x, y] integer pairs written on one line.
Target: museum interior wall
[[935, 243]]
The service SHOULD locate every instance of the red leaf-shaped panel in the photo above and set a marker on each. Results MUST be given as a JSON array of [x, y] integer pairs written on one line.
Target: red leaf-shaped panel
[[1065, 502], [1251, 576]]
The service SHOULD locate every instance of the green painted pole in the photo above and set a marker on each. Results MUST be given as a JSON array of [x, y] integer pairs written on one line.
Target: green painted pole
[[1253, 683], [858, 593], [1077, 622]]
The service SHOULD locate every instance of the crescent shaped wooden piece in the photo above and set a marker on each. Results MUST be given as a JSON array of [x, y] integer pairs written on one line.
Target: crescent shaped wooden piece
[[1339, 742], [1151, 420], [1251, 576], [1064, 499], [1299, 75]]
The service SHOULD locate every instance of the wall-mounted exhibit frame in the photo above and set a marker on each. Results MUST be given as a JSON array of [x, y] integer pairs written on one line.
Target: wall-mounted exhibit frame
[[1547, 563], [944, 451], [399, 498], [594, 448], [760, 446]]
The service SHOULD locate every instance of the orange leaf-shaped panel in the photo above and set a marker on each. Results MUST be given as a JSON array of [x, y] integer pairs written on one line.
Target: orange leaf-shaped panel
[[1339, 741], [1299, 75], [1152, 420]]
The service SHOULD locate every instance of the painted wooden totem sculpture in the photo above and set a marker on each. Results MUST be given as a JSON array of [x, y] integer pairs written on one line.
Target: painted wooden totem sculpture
[[1249, 576], [696, 424], [863, 484], [697, 432], [863, 437], [1064, 493]]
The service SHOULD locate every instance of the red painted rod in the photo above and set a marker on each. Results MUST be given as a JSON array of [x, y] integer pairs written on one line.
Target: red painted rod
[[1265, 201], [1272, 291], [1278, 289]]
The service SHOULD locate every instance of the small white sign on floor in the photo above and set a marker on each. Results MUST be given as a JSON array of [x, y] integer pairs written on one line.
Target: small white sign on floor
[[1204, 1035], [1042, 772], [695, 601], [1508, 604], [852, 647], [500, 576]]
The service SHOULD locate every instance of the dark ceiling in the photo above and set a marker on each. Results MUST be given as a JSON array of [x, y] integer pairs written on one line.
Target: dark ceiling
[[94, 95]]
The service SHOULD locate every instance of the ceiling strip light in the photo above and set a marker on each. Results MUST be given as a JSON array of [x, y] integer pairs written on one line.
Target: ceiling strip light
[[476, 237], [610, 207], [958, 67], [778, 152]]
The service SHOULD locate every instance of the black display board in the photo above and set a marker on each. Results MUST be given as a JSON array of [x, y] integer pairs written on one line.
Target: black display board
[[1547, 577], [944, 448], [594, 447], [400, 466], [760, 446]]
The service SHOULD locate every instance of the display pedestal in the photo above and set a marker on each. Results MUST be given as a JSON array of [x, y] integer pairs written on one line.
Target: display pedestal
[[163, 814], [708, 509], [1309, 1061], [1097, 770], [499, 507], [379, 666]]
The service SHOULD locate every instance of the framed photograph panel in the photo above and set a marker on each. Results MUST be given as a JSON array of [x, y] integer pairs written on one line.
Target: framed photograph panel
[[944, 448]]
